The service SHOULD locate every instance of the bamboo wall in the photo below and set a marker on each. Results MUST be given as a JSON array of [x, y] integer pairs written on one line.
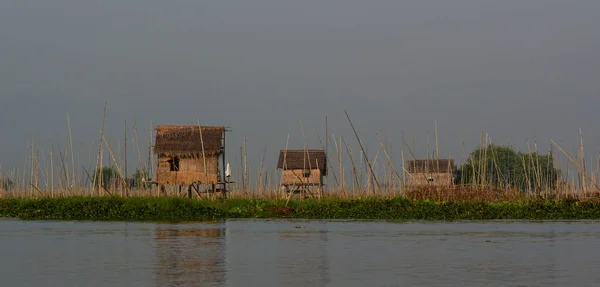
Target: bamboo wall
[[191, 170], [439, 179], [290, 177]]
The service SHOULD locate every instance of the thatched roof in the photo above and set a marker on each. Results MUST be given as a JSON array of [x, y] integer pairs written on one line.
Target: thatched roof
[[431, 166], [185, 140], [299, 159]]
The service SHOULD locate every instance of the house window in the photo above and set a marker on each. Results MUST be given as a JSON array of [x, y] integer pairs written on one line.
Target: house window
[[174, 164], [306, 173]]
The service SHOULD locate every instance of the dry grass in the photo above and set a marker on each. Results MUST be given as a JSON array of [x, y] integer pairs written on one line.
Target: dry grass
[[489, 194], [456, 193]]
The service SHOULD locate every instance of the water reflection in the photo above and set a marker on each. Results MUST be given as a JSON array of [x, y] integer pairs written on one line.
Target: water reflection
[[320, 253], [190, 256], [277, 255], [304, 260]]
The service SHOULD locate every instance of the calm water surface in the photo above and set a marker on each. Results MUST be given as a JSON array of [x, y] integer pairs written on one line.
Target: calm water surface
[[320, 253]]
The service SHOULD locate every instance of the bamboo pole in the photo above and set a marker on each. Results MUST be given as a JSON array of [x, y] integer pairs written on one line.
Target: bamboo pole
[[403, 166], [25, 166], [462, 176], [114, 159], [583, 165], [284, 166], [262, 171], [151, 163], [437, 148], [330, 169], [72, 153], [52, 171], [307, 156], [326, 152], [341, 166], [537, 164], [573, 161], [37, 164], [125, 158], [139, 151], [374, 164], [361, 147], [353, 167], [99, 158], [203, 154], [246, 181], [243, 181], [388, 158], [32, 165], [64, 173]]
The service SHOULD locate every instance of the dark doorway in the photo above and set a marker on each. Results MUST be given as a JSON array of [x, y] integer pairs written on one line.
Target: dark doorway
[[174, 164]]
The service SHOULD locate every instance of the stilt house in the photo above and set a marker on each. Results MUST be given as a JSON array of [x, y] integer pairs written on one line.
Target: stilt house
[[188, 157], [431, 172], [302, 168]]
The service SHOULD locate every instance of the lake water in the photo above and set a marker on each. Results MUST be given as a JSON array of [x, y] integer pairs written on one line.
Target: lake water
[[318, 253]]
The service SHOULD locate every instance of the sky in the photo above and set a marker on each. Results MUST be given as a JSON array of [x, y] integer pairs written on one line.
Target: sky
[[271, 68]]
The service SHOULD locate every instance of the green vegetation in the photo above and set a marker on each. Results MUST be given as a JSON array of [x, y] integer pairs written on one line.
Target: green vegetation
[[6, 183], [503, 167], [139, 178], [107, 173], [182, 209]]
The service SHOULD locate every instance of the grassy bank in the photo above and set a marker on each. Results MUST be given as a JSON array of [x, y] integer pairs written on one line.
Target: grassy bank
[[182, 209]]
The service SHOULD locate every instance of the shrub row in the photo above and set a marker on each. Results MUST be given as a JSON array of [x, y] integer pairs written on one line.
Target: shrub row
[[182, 209]]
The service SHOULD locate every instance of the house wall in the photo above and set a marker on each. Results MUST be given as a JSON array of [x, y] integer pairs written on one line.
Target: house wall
[[439, 179], [191, 170], [290, 177]]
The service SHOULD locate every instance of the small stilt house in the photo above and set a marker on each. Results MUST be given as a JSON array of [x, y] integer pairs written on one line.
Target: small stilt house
[[187, 156], [432, 172], [302, 168]]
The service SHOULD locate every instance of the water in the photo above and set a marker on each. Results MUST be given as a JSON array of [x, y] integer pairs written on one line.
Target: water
[[319, 253]]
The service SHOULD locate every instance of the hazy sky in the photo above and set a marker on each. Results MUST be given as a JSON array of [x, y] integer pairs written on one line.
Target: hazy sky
[[262, 67]]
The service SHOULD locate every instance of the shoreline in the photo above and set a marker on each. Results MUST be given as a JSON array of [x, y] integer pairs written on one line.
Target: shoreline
[[171, 209]]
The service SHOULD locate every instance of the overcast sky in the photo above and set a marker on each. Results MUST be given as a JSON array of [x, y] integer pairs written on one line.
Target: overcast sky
[[262, 67]]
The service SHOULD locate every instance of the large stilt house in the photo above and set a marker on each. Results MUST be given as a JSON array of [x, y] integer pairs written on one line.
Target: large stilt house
[[189, 155]]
